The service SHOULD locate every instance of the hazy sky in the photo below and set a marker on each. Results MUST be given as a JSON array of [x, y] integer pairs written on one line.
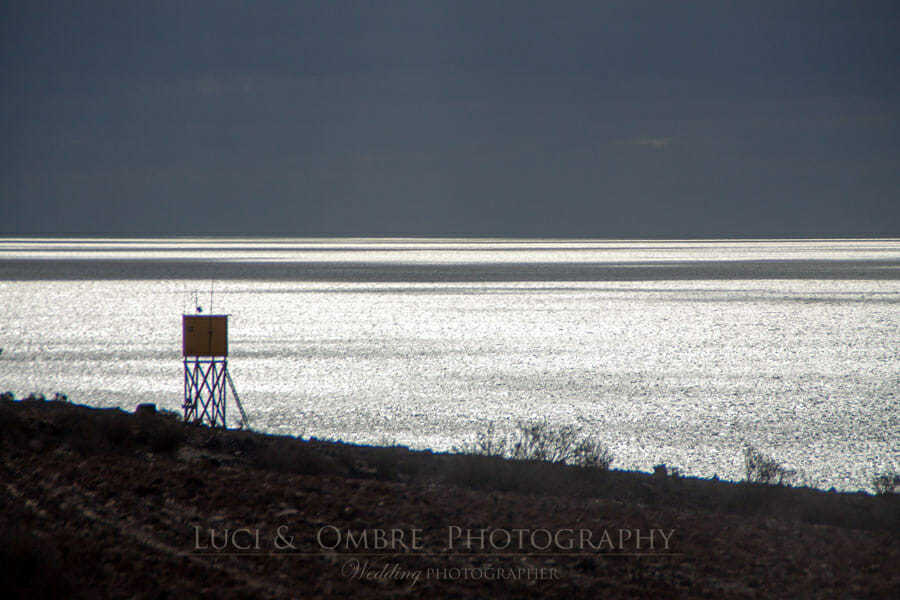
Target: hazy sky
[[483, 118]]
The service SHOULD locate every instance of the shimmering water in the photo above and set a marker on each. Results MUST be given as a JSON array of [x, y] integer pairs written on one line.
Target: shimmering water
[[675, 352]]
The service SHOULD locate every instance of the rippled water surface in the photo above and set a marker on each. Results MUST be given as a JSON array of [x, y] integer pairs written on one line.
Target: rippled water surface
[[675, 352]]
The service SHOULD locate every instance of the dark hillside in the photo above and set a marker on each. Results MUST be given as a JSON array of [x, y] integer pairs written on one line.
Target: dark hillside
[[103, 503]]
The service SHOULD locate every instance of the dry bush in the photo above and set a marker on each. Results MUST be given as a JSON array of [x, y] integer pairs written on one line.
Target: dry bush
[[761, 468], [541, 441], [886, 483]]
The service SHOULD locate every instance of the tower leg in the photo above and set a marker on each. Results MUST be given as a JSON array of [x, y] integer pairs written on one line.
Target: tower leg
[[204, 391]]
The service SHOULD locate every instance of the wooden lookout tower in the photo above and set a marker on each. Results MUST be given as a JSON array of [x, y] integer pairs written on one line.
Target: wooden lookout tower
[[205, 350]]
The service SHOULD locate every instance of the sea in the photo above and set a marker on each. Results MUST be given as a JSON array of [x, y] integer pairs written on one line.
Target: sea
[[681, 352]]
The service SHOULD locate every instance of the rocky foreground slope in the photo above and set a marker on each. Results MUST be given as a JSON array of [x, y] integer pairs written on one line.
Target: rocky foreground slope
[[102, 503]]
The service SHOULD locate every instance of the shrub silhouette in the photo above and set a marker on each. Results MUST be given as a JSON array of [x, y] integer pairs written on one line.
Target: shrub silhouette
[[886, 483], [541, 441], [761, 468]]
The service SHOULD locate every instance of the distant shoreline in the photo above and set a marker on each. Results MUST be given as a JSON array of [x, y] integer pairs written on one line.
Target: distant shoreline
[[475, 237]]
